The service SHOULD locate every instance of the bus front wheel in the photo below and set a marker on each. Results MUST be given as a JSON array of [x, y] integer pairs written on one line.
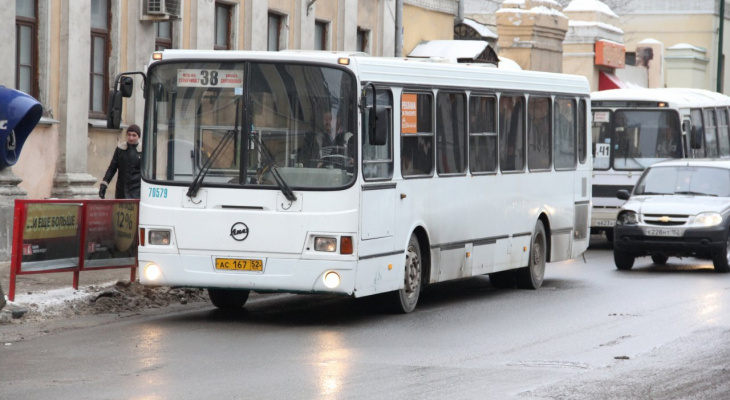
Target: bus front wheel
[[228, 299], [404, 300]]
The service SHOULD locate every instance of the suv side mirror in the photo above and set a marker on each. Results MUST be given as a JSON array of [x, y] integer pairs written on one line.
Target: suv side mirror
[[623, 194]]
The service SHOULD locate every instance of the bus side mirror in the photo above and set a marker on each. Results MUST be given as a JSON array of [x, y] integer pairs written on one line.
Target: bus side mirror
[[377, 133], [19, 114], [123, 87], [623, 194]]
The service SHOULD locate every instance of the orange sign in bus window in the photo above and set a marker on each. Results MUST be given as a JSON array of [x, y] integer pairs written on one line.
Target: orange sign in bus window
[[409, 113]]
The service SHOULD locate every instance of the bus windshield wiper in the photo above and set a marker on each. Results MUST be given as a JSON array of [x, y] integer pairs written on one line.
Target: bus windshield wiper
[[696, 193], [269, 160], [198, 181]]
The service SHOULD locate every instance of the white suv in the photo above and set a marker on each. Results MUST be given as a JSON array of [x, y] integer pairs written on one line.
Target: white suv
[[678, 208]]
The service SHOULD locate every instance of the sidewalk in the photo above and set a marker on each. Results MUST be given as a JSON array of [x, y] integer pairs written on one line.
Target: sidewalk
[[27, 285]]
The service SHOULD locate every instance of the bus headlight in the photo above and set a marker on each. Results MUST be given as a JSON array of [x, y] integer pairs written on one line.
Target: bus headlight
[[331, 279], [152, 272], [160, 237], [325, 244], [708, 219]]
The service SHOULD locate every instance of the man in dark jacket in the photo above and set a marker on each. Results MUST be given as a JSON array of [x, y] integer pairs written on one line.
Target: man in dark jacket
[[127, 159]]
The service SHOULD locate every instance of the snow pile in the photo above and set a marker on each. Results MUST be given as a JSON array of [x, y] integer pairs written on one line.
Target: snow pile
[[119, 297]]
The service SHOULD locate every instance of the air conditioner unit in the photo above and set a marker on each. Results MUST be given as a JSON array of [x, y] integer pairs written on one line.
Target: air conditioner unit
[[160, 10]]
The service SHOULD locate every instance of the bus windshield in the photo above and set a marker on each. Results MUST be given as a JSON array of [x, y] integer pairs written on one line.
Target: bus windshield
[[634, 139], [244, 123]]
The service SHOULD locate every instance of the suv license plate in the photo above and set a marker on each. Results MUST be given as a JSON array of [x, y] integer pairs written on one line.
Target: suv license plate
[[238, 264], [606, 222], [663, 232]]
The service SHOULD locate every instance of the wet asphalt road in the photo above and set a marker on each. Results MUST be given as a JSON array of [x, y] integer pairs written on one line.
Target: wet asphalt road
[[591, 331]]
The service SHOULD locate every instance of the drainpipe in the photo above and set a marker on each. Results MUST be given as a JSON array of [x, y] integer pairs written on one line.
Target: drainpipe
[[721, 33], [460, 15], [399, 28]]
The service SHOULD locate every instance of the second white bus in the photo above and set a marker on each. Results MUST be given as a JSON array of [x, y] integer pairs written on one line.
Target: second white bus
[[435, 171], [634, 128]]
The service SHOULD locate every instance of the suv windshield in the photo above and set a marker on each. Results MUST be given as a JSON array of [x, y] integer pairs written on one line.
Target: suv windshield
[[244, 123], [634, 139], [701, 181]]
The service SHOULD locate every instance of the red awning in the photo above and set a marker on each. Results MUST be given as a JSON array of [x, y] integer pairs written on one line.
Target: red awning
[[607, 80]]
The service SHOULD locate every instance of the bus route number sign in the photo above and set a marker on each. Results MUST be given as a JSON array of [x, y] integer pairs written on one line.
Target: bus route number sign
[[603, 150], [209, 78]]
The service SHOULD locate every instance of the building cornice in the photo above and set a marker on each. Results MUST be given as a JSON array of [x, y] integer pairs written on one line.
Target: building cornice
[[444, 6]]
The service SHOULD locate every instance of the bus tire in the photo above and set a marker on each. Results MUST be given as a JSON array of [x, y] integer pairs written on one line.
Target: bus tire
[[659, 259], [503, 279], [531, 276], [404, 300], [721, 259], [228, 299]]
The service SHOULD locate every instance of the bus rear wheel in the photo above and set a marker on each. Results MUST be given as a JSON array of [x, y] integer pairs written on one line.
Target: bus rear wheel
[[404, 300], [228, 299], [531, 277]]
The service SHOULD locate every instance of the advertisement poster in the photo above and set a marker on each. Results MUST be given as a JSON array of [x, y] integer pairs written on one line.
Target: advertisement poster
[[409, 113], [111, 236], [51, 236]]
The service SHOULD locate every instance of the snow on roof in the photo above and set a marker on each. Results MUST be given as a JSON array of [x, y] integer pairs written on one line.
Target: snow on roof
[[481, 29], [458, 49], [541, 7], [602, 25], [590, 5]]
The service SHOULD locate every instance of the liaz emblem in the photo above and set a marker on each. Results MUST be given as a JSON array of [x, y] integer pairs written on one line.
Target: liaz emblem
[[239, 231]]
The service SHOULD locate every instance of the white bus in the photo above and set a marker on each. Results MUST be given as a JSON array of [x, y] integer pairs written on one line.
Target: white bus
[[318, 172], [634, 128]]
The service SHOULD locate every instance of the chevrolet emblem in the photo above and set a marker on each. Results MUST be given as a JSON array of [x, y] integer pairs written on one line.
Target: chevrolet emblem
[[665, 219]]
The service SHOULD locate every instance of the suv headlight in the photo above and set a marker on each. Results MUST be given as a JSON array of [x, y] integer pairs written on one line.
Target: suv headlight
[[708, 219], [627, 218]]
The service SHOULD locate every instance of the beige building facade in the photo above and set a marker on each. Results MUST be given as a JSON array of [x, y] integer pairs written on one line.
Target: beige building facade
[[70, 52]]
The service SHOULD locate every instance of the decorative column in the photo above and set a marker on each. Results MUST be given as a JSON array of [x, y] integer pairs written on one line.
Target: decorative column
[[256, 25], [303, 25], [72, 179], [347, 26], [590, 23], [531, 33], [686, 66]]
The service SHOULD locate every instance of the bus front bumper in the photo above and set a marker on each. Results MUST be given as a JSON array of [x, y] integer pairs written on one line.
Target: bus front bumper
[[278, 275]]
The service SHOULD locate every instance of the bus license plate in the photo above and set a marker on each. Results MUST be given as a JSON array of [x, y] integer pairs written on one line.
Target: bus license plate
[[239, 264], [606, 222], [663, 232]]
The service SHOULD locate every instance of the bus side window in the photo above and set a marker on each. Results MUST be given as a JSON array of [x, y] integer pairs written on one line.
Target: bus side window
[[697, 132], [482, 134], [377, 160], [511, 133], [417, 135], [564, 133]]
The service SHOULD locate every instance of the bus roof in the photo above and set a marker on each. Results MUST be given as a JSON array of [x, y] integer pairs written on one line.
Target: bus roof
[[675, 97], [411, 71]]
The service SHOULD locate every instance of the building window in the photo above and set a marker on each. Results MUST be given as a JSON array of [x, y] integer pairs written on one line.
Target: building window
[[321, 35], [363, 40], [163, 35], [274, 36], [26, 47], [223, 13], [99, 85]]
